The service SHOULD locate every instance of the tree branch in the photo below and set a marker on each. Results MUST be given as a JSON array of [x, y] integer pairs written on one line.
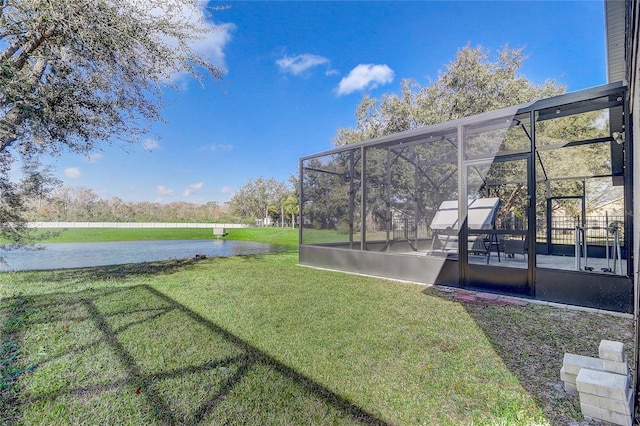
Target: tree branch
[[32, 45], [14, 118], [509, 204], [10, 51]]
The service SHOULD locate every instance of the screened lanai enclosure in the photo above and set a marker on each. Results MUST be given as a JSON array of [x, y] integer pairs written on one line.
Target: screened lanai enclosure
[[532, 200]]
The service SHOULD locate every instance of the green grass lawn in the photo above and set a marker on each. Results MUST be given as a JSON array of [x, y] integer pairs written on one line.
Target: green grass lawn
[[125, 234], [273, 235], [260, 340]]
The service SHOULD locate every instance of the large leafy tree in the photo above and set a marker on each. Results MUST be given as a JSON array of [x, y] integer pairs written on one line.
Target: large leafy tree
[[258, 197], [78, 73], [473, 83]]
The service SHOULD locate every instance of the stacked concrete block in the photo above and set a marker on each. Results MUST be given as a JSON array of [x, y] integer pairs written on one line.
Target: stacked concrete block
[[605, 396], [603, 383], [613, 356], [571, 366]]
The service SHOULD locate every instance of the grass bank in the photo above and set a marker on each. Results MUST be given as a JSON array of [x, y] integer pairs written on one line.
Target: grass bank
[[273, 235], [260, 340]]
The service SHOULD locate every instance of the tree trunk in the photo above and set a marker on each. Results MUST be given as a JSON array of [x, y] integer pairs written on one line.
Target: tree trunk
[[14, 118], [509, 204]]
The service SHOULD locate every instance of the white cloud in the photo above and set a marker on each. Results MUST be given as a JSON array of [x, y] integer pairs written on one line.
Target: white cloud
[[163, 190], [150, 144], [212, 46], [298, 64], [226, 190], [192, 188], [73, 172], [365, 77]]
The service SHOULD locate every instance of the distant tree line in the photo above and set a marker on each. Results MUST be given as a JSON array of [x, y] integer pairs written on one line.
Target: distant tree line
[[260, 201], [81, 204]]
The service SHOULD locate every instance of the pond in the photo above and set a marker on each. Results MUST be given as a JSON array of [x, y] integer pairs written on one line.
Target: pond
[[80, 255]]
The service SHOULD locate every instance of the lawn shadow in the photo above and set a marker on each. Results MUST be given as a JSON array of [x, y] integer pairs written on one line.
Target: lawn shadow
[[123, 271], [531, 340], [134, 355], [73, 280]]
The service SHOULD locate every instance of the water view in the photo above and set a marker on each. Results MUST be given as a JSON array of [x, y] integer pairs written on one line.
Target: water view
[[80, 255]]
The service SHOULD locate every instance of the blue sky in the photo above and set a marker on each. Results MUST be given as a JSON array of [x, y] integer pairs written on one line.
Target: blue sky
[[296, 72]]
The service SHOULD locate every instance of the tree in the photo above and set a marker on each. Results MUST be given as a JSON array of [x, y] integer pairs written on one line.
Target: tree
[[420, 177], [256, 198], [291, 208], [78, 73], [472, 83]]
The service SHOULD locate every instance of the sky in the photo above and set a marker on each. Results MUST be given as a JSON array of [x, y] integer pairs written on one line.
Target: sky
[[296, 72]]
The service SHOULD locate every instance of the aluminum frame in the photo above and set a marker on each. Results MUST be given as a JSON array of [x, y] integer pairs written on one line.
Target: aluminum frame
[[538, 281]]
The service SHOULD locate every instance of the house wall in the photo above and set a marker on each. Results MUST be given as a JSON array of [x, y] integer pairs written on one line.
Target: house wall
[[633, 77]]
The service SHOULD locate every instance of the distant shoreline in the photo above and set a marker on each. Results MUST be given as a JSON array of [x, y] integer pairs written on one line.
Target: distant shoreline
[[272, 235], [58, 225]]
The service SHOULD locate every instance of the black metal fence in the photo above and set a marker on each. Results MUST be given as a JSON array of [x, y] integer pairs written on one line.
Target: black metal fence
[[404, 229], [599, 229]]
